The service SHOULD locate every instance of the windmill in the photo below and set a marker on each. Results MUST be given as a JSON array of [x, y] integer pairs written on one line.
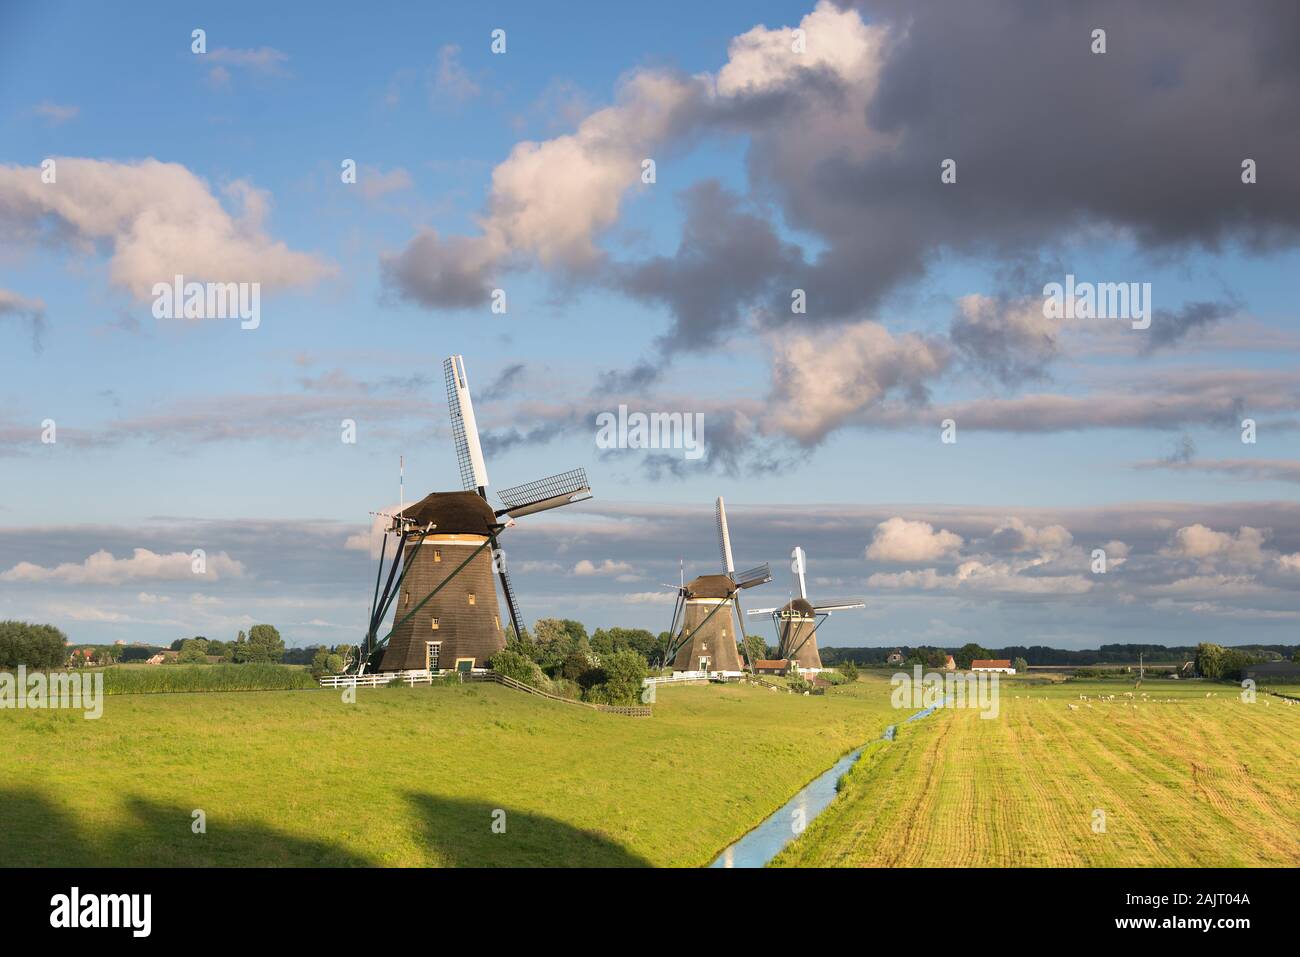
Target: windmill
[[705, 641], [446, 612], [798, 620]]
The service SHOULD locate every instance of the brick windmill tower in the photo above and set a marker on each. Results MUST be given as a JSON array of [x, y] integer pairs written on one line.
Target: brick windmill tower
[[708, 635], [444, 601]]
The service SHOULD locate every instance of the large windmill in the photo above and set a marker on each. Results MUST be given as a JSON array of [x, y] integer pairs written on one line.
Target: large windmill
[[798, 620], [706, 641], [446, 613]]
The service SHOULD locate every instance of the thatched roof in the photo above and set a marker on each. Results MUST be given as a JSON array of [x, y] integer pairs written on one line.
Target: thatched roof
[[454, 513], [711, 586], [799, 606]]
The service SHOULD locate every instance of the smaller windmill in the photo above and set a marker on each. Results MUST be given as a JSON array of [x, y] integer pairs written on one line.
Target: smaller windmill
[[798, 620], [706, 641]]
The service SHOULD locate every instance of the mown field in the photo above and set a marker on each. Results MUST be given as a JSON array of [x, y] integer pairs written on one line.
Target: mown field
[[412, 777], [1182, 778]]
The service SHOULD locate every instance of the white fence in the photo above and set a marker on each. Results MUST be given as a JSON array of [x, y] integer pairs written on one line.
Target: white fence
[[694, 677], [377, 679]]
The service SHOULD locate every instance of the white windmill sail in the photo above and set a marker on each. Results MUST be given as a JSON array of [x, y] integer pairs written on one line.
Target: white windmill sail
[[469, 454], [798, 564], [724, 537]]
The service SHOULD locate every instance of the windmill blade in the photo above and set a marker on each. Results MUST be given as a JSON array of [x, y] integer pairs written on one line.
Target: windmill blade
[[464, 428], [563, 489], [839, 604], [799, 564], [759, 575], [499, 560], [761, 611], [724, 537]]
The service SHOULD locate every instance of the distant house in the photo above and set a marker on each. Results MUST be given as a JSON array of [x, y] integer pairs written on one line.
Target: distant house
[[895, 659], [949, 664], [163, 656], [994, 665], [774, 666], [213, 659]]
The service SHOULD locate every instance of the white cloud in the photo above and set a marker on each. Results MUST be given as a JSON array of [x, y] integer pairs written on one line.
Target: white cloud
[[452, 83], [1200, 543], [664, 597], [996, 578], [607, 567], [901, 540], [158, 219], [54, 113], [374, 184], [835, 41], [102, 568], [822, 380], [1049, 541]]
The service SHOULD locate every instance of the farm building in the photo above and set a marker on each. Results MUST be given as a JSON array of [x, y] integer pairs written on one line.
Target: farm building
[[773, 666], [163, 656], [896, 658], [993, 665], [949, 663], [1273, 671]]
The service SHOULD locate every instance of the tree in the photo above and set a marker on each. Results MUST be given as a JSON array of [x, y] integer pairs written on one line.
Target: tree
[[625, 671], [1209, 660], [848, 669], [755, 648], [970, 652], [1021, 666], [192, 652], [264, 644], [36, 646]]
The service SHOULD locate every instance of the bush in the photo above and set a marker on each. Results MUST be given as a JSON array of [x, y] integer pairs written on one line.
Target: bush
[[624, 671], [848, 671], [513, 664]]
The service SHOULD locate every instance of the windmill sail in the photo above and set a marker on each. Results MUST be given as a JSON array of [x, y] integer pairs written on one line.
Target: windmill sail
[[799, 565], [464, 429], [759, 575], [839, 604], [503, 574], [724, 537], [563, 489]]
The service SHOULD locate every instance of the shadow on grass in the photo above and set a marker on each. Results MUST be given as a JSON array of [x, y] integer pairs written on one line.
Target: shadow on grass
[[461, 833], [38, 833], [35, 831]]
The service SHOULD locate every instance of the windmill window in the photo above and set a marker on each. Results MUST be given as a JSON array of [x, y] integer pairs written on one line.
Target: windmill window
[[437, 554], [472, 599], [433, 623], [432, 650]]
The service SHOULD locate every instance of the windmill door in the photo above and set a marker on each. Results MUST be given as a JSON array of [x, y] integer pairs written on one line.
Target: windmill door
[[704, 663]]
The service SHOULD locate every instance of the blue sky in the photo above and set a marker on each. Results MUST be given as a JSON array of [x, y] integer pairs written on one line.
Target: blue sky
[[175, 435]]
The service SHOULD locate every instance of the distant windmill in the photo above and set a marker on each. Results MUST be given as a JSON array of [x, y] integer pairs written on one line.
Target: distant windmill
[[447, 614], [798, 620], [706, 641]]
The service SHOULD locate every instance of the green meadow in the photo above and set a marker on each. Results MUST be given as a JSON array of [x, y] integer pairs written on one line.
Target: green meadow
[[1180, 774], [414, 776]]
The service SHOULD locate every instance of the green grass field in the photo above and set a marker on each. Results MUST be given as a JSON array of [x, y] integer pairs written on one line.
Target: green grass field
[[411, 777], [1182, 779]]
